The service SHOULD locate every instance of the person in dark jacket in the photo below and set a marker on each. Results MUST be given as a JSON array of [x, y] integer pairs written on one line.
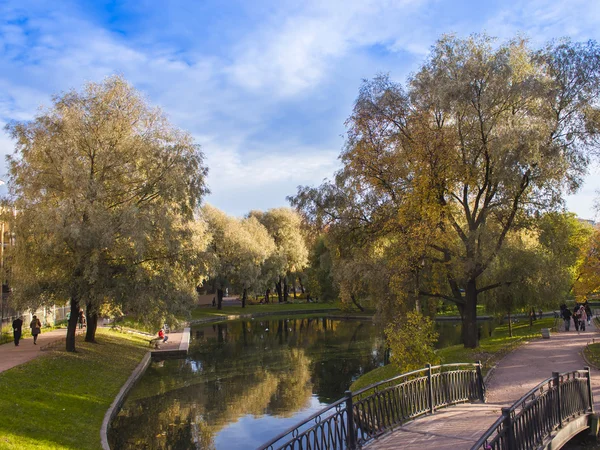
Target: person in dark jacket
[[588, 312], [576, 316], [566, 315], [17, 330], [36, 328]]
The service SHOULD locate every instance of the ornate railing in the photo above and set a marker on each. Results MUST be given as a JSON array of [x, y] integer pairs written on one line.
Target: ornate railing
[[361, 416], [544, 409]]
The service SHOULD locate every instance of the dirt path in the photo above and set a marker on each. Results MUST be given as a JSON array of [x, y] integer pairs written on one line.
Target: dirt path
[[460, 426], [11, 356]]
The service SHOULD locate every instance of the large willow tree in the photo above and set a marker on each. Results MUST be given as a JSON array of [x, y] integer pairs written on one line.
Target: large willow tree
[[105, 189], [442, 170]]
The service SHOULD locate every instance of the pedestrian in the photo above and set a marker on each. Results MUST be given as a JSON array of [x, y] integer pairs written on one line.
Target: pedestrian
[[588, 312], [36, 328], [576, 317], [81, 318], [582, 318], [17, 330], [566, 315]]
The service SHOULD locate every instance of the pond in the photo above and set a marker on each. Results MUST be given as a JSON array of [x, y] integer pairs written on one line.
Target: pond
[[245, 382]]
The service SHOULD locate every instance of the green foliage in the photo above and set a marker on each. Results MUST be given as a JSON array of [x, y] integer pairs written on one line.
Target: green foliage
[[441, 171], [319, 273], [106, 189], [490, 351], [241, 251], [58, 400], [411, 340]]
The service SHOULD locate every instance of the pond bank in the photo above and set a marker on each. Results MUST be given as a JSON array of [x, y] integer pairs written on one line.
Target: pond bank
[[489, 352], [59, 399]]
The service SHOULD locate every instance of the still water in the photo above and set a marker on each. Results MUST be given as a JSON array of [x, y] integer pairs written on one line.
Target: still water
[[245, 382]]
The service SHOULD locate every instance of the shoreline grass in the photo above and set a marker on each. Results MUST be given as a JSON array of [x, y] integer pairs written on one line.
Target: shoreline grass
[[211, 312], [58, 400], [490, 351]]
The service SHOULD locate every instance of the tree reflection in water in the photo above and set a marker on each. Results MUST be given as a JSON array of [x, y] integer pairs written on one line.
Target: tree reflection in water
[[251, 379]]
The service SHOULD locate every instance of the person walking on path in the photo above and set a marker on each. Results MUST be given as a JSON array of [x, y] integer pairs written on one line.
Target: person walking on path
[[566, 315], [81, 319], [17, 330], [588, 312], [36, 328], [582, 318]]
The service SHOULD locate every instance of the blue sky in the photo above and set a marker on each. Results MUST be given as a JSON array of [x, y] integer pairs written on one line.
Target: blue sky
[[264, 86]]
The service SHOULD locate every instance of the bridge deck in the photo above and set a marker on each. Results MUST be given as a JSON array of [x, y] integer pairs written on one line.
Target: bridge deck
[[458, 427]]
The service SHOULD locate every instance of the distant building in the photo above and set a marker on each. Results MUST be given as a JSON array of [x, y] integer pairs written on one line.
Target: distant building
[[588, 221]]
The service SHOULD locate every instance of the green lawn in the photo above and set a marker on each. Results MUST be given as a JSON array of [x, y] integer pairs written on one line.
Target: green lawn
[[592, 354], [210, 312], [58, 400], [489, 352]]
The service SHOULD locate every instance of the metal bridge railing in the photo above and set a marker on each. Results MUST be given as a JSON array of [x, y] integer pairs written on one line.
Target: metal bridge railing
[[363, 415], [545, 408]]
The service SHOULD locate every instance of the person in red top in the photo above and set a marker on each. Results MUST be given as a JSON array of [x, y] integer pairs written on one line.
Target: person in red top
[[161, 338], [162, 335]]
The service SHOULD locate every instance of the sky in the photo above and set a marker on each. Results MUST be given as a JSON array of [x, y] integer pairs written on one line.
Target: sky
[[263, 86]]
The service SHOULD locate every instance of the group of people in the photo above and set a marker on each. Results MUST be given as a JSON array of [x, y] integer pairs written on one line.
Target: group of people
[[35, 325], [581, 314]]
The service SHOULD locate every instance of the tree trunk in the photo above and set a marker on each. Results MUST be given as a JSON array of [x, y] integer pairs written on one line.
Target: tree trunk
[[509, 325], [219, 298], [286, 290], [244, 296], [358, 305], [279, 291], [469, 321], [91, 319], [72, 324], [301, 285], [294, 288], [267, 292]]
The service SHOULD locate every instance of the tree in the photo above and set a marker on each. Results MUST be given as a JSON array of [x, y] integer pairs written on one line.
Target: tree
[[482, 137], [241, 250], [587, 276], [285, 226], [105, 188]]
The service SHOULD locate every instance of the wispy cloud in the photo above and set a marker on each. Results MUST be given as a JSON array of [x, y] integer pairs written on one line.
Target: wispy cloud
[[264, 86]]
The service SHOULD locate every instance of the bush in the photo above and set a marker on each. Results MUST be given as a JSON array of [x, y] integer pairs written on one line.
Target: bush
[[411, 339]]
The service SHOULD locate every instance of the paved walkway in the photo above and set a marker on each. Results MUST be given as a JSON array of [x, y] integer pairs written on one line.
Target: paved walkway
[[460, 426], [11, 356]]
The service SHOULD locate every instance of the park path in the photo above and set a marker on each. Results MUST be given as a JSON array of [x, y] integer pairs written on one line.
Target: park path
[[11, 355], [460, 426]]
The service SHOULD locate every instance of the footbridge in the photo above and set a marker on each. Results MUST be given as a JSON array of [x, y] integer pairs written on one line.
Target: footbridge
[[444, 407]]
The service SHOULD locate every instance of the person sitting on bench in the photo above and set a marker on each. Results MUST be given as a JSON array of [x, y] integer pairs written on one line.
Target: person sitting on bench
[[161, 337]]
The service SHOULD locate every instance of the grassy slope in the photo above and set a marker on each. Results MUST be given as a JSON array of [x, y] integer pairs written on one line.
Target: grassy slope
[[592, 354], [489, 352], [58, 400]]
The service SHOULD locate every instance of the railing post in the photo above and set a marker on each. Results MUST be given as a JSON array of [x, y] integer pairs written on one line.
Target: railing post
[[556, 381], [480, 382], [430, 389], [589, 386], [351, 431], [510, 429]]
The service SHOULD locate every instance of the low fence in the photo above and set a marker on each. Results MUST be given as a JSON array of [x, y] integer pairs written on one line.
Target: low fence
[[546, 408], [360, 417], [48, 315]]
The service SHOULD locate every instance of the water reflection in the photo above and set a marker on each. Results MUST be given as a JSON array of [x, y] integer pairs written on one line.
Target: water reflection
[[245, 382]]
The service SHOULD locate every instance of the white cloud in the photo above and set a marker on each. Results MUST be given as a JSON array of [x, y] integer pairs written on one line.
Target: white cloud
[[268, 107], [294, 53]]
